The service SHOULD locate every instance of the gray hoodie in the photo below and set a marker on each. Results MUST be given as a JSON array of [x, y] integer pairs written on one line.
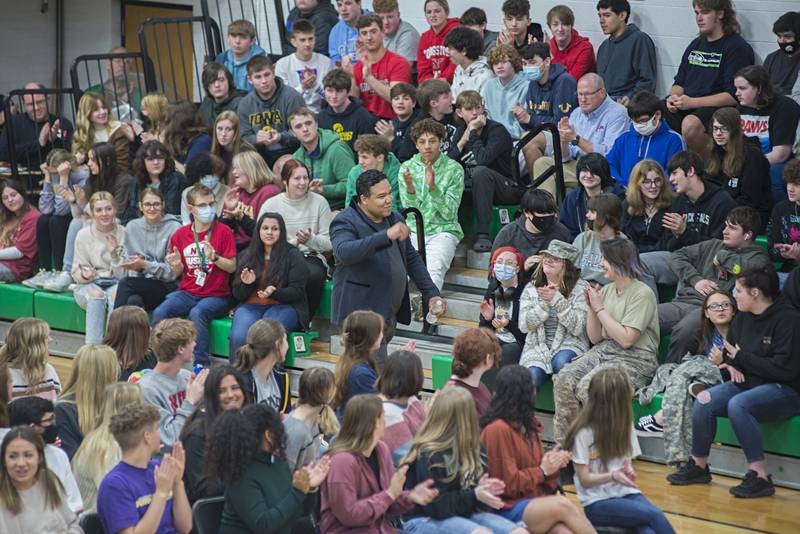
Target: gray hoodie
[[627, 64], [168, 394], [273, 114], [152, 242]]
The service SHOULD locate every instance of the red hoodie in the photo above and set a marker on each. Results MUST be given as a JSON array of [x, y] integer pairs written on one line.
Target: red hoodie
[[578, 57], [433, 60]]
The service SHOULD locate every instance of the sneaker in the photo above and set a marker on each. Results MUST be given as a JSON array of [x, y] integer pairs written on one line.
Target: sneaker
[[38, 280], [689, 473], [416, 307], [753, 486], [647, 426], [482, 243], [58, 282], [695, 388]]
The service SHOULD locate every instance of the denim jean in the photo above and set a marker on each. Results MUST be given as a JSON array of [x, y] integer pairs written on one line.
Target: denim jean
[[98, 310], [778, 185], [459, 525], [201, 310], [745, 408], [560, 359], [247, 314], [630, 511]]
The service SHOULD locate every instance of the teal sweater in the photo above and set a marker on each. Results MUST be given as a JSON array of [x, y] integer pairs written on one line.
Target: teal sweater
[[263, 501], [331, 163], [390, 169]]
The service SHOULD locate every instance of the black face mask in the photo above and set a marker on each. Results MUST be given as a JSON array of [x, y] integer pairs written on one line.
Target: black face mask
[[543, 223], [590, 224], [50, 434], [790, 47]]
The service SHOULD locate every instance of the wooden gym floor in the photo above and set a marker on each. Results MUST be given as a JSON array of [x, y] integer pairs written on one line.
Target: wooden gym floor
[[700, 509]]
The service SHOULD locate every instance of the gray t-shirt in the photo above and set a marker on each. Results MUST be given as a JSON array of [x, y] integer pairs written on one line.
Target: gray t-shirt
[[550, 326], [268, 391], [302, 443]]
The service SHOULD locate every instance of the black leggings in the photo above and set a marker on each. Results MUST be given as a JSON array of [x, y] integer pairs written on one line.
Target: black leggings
[[315, 285], [146, 293], [51, 240]]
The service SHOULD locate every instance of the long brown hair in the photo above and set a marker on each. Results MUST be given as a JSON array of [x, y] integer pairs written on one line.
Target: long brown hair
[[6, 214], [358, 424], [568, 280], [729, 23], [129, 334], [608, 413], [633, 194], [705, 334], [317, 387], [26, 349], [238, 143], [727, 160], [451, 428], [9, 495], [360, 330], [182, 124], [263, 338]]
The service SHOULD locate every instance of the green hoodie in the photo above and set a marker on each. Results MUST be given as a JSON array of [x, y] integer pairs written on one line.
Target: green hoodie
[[390, 169], [439, 207], [712, 260], [331, 163]]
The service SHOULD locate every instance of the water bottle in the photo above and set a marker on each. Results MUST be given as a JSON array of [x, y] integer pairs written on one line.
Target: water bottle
[[436, 308]]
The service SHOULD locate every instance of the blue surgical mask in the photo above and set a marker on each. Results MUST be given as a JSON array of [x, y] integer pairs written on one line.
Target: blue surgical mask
[[532, 73], [205, 214], [210, 181], [504, 273]]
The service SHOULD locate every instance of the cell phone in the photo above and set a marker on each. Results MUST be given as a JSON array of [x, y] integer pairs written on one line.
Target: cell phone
[[198, 368]]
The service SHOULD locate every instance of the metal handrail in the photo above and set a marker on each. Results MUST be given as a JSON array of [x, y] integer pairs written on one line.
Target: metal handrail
[[420, 230], [85, 59], [558, 162]]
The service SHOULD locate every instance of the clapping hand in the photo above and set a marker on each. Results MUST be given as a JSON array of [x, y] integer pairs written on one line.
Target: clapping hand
[[173, 259], [487, 309], [266, 293], [87, 272], [593, 297], [384, 128], [489, 490], [675, 222], [625, 475], [732, 350], [737, 377], [546, 293], [521, 114], [247, 276], [303, 236], [423, 493]]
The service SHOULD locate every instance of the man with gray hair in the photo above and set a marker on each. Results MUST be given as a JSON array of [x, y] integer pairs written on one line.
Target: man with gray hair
[[592, 127]]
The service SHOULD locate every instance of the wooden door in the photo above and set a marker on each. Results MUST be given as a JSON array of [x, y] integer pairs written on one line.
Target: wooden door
[[170, 47]]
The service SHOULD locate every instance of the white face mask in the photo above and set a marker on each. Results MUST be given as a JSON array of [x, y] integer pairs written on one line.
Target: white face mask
[[646, 128]]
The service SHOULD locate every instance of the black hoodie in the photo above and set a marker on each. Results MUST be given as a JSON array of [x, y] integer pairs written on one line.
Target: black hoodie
[[323, 17], [350, 123], [769, 346], [784, 227], [402, 145], [752, 185], [491, 147], [705, 218]]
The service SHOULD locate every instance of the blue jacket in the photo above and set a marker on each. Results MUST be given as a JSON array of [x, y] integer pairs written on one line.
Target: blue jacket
[[630, 148], [573, 209], [363, 267], [239, 68], [553, 100], [342, 41]]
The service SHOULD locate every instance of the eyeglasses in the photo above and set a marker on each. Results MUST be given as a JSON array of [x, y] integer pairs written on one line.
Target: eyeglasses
[[652, 183], [205, 205], [47, 421], [510, 263], [719, 129], [719, 306], [591, 93], [551, 259], [151, 205]]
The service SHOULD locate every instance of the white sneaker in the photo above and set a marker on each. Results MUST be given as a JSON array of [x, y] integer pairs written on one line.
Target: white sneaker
[[38, 280], [59, 282]]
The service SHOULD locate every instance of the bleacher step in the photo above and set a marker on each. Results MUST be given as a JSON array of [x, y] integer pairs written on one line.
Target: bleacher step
[[447, 327], [466, 277], [461, 306], [478, 260]]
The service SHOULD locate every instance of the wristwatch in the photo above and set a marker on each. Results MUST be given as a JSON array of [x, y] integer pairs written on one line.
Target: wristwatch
[[575, 141]]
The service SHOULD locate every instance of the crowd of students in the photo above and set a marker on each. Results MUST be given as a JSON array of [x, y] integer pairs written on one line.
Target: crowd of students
[[291, 172]]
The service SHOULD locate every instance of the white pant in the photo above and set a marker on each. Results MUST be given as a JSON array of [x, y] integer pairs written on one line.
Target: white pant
[[439, 251]]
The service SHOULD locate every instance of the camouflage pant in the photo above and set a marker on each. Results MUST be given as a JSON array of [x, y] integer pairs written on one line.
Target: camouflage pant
[[571, 384], [674, 380]]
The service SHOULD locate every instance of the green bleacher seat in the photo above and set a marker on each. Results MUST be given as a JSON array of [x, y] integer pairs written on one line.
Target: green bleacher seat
[[17, 301], [666, 293], [544, 397], [441, 369], [663, 348], [59, 310], [501, 215], [219, 333], [763, 242], [325, 308]]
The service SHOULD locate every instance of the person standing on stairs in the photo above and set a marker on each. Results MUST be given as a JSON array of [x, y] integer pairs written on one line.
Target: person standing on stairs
[[371, 246]]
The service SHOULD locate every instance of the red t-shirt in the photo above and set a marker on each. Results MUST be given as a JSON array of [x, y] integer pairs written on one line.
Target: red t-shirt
[[24, 238], [251, 205], [214, 283], [391, 68], [481, 394]]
